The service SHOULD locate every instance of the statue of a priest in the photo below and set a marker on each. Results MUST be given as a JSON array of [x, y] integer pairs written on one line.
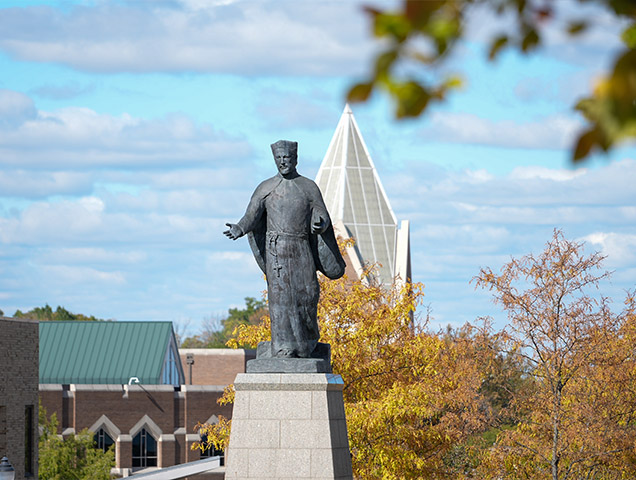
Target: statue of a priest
[[291, 236]]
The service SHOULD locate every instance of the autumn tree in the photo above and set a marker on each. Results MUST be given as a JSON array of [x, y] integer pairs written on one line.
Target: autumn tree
[[577, 413], [74, 458], [419, 35], [409, 395], [503, 378]]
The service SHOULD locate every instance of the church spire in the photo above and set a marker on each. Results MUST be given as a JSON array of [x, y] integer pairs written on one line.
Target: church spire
[[355, 197]]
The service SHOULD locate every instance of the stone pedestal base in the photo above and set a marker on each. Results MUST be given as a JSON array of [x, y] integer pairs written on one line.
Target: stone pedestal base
[[319, 362], [288, 426]]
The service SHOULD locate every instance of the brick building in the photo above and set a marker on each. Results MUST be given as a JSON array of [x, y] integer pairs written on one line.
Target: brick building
[[19, 395], [124, 381], [214, 366], [149, 425]]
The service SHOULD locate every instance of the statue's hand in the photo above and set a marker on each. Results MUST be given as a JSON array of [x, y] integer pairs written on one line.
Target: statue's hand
[[234, 231], [318, 225]]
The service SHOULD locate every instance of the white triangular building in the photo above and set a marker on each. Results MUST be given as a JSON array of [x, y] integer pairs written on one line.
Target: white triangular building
[[359, 207]]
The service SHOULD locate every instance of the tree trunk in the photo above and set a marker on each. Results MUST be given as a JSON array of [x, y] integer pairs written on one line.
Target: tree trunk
[[555, 431]]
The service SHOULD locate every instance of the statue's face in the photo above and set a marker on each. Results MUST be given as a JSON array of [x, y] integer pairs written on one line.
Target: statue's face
[[285, 161]]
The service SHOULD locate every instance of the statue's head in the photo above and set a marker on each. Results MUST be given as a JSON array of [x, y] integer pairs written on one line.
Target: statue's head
[[286, 156]]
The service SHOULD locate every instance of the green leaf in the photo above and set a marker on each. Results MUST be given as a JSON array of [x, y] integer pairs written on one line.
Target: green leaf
[[521, 5], [575, 28], [418, 11], [500, 42], [360, 92], [623, 86], [384, 62], [412, 99], [444, 28], [392, 25], [621, 7], [584, 145], [629, 36], [530, 41]]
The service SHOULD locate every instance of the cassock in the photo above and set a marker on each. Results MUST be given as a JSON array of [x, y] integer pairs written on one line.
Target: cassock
[[278, 222]]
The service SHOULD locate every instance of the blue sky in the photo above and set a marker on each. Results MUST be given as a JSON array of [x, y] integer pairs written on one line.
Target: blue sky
[[132, 131]]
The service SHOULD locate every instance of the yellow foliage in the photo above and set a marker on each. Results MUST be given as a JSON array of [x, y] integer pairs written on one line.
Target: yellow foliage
[[409, 395], [217, 434]]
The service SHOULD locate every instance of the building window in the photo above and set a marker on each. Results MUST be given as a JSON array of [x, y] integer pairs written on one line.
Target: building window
[[102, 440], [144, 450], [29, 439], [170, 368], [212, 451]]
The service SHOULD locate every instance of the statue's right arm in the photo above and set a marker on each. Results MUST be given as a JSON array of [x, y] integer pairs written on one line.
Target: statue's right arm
[[253, 214]]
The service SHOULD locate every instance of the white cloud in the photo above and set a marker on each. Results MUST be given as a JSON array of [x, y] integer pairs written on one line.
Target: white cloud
[[210, 202], [595, 46], [285, 110], [229, 256], [534, 172], [102, 222], [71, 275], [525, 196], [15, 109], [92, 256], [478, 176], [464, 220], [43, 222], [204, 178], [620, 248], [36, 184], [278, 38], [82, 138], [62, 91], [554, 132]]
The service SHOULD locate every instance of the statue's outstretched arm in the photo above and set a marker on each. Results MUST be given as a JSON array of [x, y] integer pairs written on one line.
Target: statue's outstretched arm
[[234, 231], [253, 214]]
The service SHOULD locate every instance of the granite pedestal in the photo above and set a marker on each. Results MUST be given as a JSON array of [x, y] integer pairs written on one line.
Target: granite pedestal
[[288, 426]]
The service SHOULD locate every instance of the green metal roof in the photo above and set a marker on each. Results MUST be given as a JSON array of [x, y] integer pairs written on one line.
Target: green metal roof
[[103, 352]]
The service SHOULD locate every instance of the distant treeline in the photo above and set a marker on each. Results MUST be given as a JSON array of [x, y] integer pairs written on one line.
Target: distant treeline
[[47, 314]]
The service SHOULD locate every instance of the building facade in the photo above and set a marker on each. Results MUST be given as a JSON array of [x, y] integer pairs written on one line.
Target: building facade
[[149, 426], [19, 395], [125, 383]]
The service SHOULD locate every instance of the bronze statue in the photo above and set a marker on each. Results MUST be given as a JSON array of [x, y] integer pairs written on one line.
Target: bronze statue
[[291, 236]]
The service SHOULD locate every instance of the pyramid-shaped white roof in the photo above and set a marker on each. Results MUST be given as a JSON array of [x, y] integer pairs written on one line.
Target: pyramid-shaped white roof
[[354, 195]]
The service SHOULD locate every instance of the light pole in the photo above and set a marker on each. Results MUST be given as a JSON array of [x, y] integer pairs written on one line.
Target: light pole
[[6, 470], [190, 362]]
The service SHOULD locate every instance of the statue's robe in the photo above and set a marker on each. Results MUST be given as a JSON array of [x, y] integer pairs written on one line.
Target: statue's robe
[[278, 220]]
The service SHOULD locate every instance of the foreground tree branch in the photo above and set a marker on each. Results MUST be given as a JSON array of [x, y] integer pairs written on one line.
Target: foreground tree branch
[[424, 33]]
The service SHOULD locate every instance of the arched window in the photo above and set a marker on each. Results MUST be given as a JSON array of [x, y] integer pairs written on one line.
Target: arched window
[[144, 450], [102, 440]]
